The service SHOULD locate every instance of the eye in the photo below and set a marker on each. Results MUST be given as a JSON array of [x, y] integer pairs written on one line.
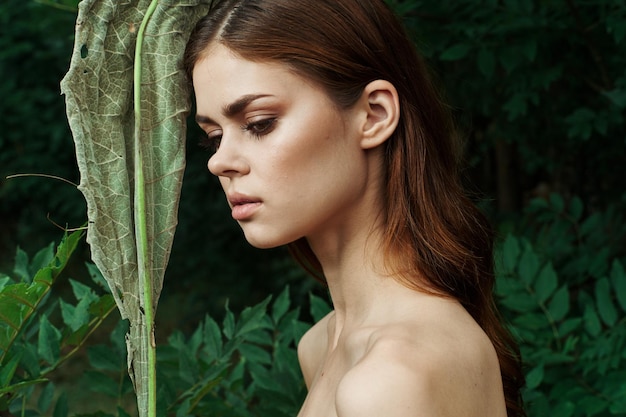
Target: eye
[[260, 127], [211, 141]]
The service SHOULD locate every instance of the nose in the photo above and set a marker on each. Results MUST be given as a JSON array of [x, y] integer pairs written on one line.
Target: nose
[[228, 160]]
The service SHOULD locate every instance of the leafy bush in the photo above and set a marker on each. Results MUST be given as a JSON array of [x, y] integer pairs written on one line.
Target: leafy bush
[[31, 345], [562, 285], [538, 87], [246, 367]]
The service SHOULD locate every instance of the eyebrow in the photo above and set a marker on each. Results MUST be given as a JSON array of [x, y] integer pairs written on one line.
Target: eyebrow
[[233, 108]]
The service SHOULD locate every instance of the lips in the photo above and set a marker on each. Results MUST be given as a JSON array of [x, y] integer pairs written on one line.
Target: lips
[[243, 207]]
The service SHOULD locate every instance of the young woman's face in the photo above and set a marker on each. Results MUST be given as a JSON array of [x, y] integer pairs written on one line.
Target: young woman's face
[[289, 161]]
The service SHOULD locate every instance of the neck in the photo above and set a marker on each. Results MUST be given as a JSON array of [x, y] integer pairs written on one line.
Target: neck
[[360, 288]]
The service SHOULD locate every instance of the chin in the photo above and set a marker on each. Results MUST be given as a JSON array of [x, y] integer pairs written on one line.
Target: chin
[[266, 240], [263, 243]]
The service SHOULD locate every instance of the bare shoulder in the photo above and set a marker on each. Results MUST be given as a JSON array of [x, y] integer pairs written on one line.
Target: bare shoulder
[[311, 348], [439, 370]]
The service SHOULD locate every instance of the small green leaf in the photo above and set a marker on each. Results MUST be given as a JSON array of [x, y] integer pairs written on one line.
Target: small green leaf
[[255, 354], [563, 409], [604, 303], [281, 305], [319, 307], [618, 277], [252, 318], [229, 324], [591, 224], [41, 259], [30, 360], [61, 408], [546, 282], [96, 276], [569, 326], [81, 291], [576, 208], [212, 338], [559, 305], [49, 344], [531, 321], [534, 377], [570, 343], [516, 106], [510, 253], [75, 316], [21, 266], [45, 398], [455, 52], [195, 341], [4, 280], [7, 371], [581, 123], [598, 266], [520, 302], [591, 320], [99, 382], [557, 203], [101, 357], [528, 266], [617, 96], [102, 306], [188, 369]]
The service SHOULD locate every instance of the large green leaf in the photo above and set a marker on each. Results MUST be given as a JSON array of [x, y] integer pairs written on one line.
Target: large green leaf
[[127, 113]]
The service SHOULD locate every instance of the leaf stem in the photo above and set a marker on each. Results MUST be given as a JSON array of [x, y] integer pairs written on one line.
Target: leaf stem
[[54, 177], [141, 232]]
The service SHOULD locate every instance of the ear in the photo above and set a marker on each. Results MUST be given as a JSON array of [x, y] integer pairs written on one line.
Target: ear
[[380, 106]]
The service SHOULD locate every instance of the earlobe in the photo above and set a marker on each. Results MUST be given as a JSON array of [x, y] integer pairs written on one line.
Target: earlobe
[[381, 105]]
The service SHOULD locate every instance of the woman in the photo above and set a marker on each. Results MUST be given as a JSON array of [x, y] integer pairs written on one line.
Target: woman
[[329, 137]]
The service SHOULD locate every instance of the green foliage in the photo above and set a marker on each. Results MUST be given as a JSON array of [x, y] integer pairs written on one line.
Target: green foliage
[[244, 366], [539, 88], [562, 286], [33, 343]]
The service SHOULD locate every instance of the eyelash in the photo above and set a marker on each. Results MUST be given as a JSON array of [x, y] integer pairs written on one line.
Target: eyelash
[[258, 129]]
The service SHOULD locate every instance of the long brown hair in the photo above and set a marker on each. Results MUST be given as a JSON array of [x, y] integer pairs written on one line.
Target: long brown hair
[[435, 239]]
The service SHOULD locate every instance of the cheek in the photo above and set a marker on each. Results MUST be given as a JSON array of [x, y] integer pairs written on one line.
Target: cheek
[[223, 182]]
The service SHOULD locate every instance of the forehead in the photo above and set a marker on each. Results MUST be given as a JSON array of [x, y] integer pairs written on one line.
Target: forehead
[[222, 76]]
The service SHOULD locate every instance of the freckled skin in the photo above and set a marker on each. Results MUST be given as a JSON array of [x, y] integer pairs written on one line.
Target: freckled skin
[[315, 171]]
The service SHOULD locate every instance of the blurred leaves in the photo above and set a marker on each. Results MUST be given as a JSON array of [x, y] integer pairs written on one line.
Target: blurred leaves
[[560, 284]]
